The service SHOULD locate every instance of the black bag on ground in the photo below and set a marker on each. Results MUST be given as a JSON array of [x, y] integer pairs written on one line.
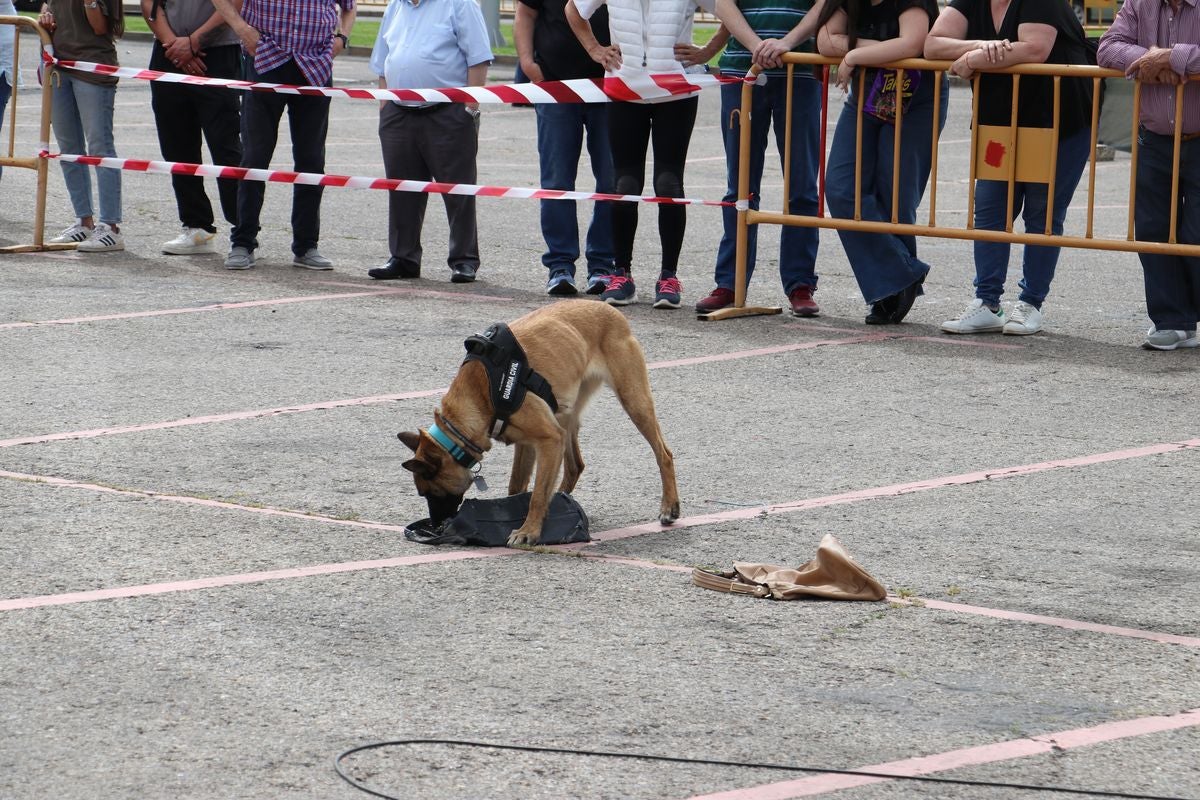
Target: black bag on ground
[[488, 523]]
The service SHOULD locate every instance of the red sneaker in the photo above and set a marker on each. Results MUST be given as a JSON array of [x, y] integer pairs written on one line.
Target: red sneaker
[[717, 299], [802, 302]]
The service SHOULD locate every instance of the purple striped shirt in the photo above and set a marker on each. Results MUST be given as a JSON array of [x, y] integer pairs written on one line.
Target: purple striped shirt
[[1142, 24], [295, 30]]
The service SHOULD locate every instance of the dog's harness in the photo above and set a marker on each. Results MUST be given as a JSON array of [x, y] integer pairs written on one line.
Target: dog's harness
[[509, 374]]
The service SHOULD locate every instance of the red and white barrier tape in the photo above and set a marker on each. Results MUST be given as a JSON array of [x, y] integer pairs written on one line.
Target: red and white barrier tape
[[349, 182], [598, 90]]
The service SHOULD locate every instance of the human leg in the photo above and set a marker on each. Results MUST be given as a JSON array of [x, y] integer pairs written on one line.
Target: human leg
[[177, 121], [95, 104], [560, 139], [1172, 282], [798, 245], [991, 258], [671, 132], [68, 132], [451, 150], [629, 137], [260, 131], [731, 132], [220, 115], [598, 249], [399, 138], [308, 120], [1038, 261]]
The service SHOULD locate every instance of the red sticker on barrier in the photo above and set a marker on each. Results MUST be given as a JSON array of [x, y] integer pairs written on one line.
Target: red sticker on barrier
[[994, 154]]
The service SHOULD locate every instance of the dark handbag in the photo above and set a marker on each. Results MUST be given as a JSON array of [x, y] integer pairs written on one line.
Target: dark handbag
[[488, 523]]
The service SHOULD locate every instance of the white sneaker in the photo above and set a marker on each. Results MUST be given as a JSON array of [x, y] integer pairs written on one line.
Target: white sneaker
[[191, 241], [1024, 320], [978, 318], [75, 233], [103, 239], [1169, 340]]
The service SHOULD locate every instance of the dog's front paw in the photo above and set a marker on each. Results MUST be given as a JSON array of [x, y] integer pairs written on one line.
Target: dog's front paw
[[668, 514], [522, 537]]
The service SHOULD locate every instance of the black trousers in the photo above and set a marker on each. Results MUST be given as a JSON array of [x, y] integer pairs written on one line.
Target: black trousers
[[438, 143], [183, 114], [308, 121], [667, 128]]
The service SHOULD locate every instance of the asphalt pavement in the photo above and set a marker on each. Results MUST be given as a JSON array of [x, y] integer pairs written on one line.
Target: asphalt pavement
[[205, 591]]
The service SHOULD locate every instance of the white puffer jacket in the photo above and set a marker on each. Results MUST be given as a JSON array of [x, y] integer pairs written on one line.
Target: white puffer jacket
[[647, 31]]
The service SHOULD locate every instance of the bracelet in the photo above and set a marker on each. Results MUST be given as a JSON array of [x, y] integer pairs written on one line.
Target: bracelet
[[345, 40]]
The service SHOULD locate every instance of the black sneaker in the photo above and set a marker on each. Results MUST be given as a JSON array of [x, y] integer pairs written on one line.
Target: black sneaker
[[597, 282], [561, 284]]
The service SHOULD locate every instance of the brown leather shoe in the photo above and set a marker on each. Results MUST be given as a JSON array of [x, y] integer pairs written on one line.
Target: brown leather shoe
[[717, 299], [802, 302]]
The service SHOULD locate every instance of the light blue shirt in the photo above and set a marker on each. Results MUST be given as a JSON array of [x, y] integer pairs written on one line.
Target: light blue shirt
[[6, 42], [430, 44]]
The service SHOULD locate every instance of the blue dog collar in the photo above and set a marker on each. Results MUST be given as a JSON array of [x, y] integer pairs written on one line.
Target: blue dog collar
[[460, 455]]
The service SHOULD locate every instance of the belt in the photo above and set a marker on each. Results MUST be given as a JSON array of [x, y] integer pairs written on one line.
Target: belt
[[1187, 137], [423, 109]]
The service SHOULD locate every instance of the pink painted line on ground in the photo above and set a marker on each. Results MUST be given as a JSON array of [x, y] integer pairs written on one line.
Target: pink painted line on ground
[[64, 483], [898, 489], [966, 757], [904, 337], [937, 605], [1058, 622], [387, 398], [230, 417], [197, 309], [70, 598], [762, 351], [466, 296]]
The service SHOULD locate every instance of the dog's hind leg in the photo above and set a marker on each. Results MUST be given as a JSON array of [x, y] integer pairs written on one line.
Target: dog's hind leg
[[572, 455], [572, 460], [524, 457], [631, 382]]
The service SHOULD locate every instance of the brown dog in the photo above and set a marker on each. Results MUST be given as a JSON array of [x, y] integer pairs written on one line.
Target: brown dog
[[575, 345]]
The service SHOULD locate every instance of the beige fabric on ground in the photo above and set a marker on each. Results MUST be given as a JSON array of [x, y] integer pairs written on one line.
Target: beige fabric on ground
[[833, 575]]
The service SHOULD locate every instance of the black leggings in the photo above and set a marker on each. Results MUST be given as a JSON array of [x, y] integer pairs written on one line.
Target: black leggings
[[630, 126]]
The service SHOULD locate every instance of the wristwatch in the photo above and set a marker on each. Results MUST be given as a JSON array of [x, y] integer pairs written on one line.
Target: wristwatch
[[345, 40], [93, 4]]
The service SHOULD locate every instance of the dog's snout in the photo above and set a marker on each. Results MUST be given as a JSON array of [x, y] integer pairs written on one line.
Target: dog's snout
[[442, 507]]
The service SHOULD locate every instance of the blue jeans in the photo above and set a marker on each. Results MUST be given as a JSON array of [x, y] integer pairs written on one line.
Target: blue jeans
[[560, 130], [82, 116], [5, 91], [1172, 282], [884, 263], [797, 246], [1038, 261]]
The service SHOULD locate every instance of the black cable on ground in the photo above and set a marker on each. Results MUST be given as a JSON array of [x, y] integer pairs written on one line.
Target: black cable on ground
[[337, 765]]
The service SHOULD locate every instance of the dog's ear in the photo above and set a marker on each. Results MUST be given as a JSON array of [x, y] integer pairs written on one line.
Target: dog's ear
[[410, 439], [422, 469]]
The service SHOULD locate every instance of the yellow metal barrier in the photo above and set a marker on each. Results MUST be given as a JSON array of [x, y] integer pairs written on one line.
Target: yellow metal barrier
[[1024, 158], [40, 165]]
